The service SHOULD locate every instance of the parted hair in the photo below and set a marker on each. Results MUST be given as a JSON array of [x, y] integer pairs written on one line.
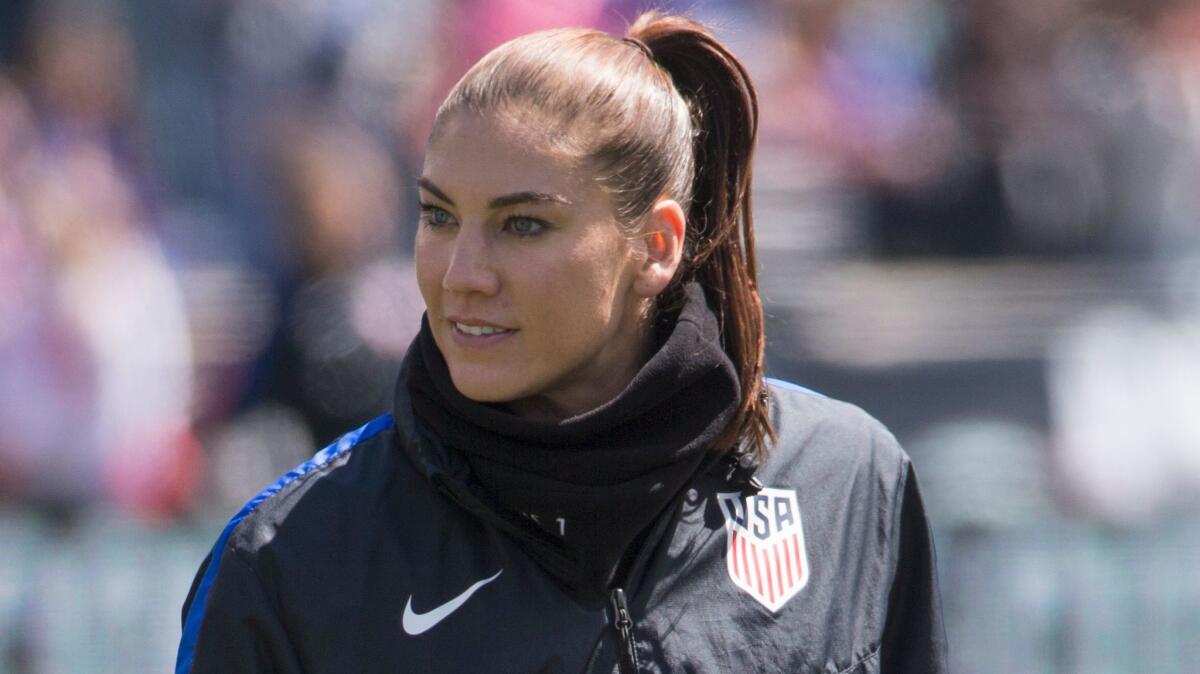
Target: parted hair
[[666, 110]]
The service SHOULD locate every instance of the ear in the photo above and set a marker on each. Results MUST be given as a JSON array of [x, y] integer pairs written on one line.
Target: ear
[[666, 226]]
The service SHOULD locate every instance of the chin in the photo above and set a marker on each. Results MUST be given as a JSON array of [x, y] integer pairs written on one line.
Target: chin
[[484, 387]]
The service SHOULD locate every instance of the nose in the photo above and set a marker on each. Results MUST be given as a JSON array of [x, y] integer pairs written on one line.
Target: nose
[[471, 269]]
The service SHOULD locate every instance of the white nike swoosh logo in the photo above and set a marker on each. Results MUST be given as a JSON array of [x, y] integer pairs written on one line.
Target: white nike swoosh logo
[[418, 623]]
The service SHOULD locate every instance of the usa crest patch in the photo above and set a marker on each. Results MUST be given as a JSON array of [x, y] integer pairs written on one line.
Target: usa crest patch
[[765, 545]]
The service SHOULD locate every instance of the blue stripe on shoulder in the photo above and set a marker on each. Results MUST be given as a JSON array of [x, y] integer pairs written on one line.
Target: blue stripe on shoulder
[[191, 629], [793, 387]]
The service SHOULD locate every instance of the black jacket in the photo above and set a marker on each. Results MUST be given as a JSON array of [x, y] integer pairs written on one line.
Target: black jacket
[[375, 557]]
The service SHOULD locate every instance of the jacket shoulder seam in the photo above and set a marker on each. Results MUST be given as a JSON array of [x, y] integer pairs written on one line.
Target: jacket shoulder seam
[[773, 382], [315, 466]]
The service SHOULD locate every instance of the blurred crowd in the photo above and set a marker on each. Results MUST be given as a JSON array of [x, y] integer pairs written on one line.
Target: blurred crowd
[[206, 217]]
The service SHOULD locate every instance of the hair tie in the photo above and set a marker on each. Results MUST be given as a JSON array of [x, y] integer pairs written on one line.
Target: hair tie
[[640, 45]]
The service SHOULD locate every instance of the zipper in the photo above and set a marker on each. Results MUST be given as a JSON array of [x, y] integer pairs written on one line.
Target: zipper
[[624, 625]]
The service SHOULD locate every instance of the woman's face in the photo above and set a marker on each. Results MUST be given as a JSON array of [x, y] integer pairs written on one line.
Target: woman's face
[[527, 278]]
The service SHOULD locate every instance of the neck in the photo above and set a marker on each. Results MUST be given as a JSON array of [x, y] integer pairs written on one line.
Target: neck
[[580, 399], [588, 393]]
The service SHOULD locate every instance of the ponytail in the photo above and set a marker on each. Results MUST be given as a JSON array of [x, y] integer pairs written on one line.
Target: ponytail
[[720, 251]]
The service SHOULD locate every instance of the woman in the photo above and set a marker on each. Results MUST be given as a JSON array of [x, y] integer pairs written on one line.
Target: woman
[[584, 469]]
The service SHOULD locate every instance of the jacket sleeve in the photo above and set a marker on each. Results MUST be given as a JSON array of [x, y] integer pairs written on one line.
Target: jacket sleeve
[[230, 622], [914, 639]]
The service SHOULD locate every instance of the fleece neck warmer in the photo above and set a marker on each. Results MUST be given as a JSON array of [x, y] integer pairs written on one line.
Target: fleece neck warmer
[[595, 481]]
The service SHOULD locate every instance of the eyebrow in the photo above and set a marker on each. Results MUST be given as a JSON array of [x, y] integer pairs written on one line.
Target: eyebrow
[[501, 201]]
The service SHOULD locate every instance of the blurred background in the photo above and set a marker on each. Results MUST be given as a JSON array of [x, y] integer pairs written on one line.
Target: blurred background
[[978, 219]]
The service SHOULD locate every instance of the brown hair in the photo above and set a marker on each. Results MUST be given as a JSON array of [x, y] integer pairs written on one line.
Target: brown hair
[[666, 110]]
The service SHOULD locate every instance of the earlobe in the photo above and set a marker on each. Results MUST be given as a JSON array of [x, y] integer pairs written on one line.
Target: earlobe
[[666, 227]]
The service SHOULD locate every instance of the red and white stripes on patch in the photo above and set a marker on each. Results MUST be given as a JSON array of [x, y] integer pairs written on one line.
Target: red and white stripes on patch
[[771, 570]]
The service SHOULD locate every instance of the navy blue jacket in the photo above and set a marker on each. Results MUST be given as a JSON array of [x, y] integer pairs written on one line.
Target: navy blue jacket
[[374, 557]]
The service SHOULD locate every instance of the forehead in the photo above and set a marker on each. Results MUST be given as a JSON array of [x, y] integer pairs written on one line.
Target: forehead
[[490, 155]]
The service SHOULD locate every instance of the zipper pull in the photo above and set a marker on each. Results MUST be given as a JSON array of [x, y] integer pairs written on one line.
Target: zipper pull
[[740, 470], [624, 625]]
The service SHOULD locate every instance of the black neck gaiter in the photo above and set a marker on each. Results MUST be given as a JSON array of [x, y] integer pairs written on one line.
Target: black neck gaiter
[[599, 479]]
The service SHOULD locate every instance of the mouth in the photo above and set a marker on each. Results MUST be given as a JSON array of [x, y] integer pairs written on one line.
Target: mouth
[[479, 330], [474, 333]]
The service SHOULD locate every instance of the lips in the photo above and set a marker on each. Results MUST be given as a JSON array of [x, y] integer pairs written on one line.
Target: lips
[[473, 332], [479, 330]]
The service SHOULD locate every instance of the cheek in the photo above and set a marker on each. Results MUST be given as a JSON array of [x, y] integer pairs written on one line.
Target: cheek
[[601, 269], [581, 288], [430, 264]]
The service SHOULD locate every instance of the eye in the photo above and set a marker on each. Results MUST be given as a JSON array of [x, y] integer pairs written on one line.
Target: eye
[[524, 226], [435, 217]]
